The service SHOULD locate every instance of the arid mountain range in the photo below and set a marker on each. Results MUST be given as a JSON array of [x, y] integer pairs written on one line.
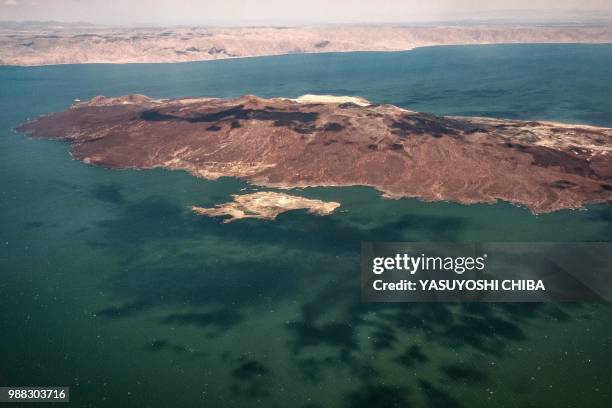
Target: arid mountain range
[[55, 43]]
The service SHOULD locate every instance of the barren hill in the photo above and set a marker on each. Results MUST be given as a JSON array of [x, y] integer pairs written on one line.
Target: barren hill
[[334, 141]]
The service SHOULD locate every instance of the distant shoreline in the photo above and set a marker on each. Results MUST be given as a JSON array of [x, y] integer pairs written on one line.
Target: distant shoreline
[[284, 55], [58, 45]]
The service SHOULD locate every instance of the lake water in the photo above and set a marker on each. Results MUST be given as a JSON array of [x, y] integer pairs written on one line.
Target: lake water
[[109, 285]]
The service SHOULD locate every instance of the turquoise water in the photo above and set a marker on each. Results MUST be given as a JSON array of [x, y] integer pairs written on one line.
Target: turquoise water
[[108, 284]]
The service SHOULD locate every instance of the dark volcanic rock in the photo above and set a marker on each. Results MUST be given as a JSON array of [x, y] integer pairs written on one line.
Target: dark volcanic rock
[[279, 142]]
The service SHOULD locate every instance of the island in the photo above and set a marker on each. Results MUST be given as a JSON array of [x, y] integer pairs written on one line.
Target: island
[[265, 205], [341, 141]]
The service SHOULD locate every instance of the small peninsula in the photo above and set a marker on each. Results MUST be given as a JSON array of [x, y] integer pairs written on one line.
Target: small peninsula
[[341, 141], [265, 205]]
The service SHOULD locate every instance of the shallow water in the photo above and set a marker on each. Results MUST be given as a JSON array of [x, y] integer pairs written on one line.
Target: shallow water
[[108, 284]]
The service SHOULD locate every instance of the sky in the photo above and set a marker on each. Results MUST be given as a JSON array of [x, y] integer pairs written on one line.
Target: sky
[[291, 12]]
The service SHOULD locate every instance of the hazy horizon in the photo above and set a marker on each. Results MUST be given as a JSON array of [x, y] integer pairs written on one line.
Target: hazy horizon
[[314, 12]]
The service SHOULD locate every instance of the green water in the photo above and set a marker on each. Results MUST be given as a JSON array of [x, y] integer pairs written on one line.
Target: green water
[[108, 284]]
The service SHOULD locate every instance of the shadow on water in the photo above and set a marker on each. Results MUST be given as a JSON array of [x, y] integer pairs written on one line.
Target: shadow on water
[[198, 269], [436, 397], [108, 192], [157, 345], [412, 357], [220, 320], [378, 396], [462, 373], [251, 378]]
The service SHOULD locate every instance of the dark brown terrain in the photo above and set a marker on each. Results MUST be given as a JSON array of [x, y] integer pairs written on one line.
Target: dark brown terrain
[[320, 141]]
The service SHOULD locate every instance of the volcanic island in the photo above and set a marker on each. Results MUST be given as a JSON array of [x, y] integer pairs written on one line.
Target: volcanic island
[[339, 141]]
